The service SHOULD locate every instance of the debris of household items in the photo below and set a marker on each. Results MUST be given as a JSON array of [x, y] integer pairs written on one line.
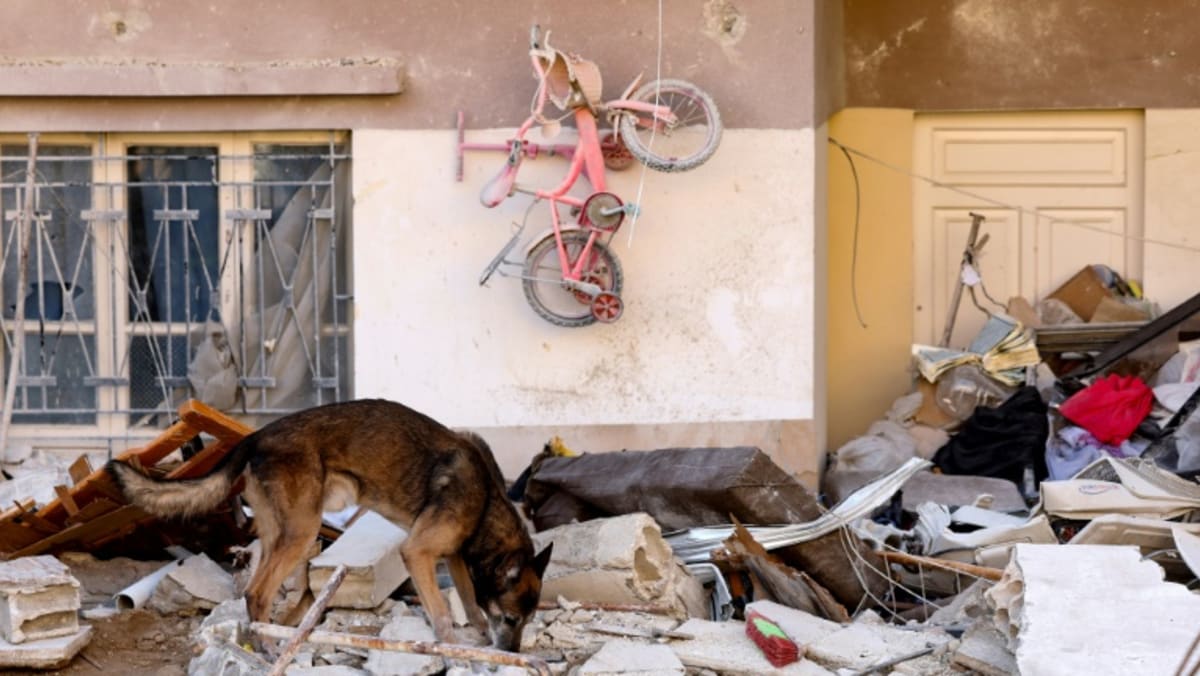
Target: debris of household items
[[690, 488], [91, 513], [889, 442], [39, 614], [1003, 348]]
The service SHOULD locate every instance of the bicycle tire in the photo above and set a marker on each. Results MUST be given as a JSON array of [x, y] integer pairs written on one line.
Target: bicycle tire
[[545, 293], [690, 104]]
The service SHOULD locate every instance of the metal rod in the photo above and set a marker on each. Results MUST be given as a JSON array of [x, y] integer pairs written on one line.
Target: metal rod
[[460, 652], [10, 390], [311, 617], [967, 259]]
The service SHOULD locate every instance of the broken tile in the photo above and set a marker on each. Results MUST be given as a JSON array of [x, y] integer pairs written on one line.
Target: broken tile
[[621, 559], [868, 641], [370, 549], [983, 649], [197, 583], [39, 599], [392, 663], [48, 653], [633, 658], [724, 647]]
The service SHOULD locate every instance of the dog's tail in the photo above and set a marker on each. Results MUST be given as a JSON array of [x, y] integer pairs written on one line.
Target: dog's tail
[[167, 498]]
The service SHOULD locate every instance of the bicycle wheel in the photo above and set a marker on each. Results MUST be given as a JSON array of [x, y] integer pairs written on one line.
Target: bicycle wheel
[[686, 145], [543, 285]]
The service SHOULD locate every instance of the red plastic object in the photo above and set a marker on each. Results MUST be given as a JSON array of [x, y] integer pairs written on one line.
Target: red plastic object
[[779, 650], [1110, 408]]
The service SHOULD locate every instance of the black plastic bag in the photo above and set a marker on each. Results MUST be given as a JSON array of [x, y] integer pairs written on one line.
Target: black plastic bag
[[1001, 441]]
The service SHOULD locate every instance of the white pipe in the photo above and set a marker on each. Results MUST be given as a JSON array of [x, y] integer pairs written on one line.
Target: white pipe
[[136, 594]]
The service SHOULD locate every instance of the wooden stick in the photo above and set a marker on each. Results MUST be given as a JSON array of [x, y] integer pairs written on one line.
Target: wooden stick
[[458, 652], [309, 622], [956, 566]]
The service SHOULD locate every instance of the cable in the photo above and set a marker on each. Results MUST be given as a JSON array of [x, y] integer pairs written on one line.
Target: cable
[[653, 128], [854, 250], [994, 202]]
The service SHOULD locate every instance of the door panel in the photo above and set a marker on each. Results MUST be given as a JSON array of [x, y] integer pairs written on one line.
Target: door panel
[[1059, 191]]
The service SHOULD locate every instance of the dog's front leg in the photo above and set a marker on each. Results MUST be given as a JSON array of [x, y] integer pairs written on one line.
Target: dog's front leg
[[422, 568], [466, 592]]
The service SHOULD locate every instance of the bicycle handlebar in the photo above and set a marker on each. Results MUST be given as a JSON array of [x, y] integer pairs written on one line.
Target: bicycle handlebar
[[534, 35]]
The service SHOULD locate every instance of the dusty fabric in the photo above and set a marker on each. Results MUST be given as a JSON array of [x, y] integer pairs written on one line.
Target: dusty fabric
[[1001, 441], [1110, 408]]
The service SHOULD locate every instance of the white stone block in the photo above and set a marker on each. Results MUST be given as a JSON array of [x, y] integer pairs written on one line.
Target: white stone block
[[48, 653], [370, 549], [803, 628], [392, 663], [633, 659], [39, 599]]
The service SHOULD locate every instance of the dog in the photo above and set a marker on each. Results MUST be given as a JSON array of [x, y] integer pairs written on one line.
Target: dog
[[443, 486]]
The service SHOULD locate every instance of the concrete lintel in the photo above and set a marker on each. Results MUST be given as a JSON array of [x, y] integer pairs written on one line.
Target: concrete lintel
[[324, 77]]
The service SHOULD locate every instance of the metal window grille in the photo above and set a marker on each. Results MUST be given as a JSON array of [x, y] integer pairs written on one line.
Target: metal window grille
[[190, 274]]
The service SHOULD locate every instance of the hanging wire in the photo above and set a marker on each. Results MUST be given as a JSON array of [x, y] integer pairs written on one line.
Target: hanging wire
[[854, 251]]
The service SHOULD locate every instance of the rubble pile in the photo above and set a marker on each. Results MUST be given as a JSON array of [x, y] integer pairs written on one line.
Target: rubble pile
[[1031, 506]]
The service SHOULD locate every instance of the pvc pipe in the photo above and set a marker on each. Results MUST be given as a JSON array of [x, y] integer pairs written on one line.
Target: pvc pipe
[[136, 594]]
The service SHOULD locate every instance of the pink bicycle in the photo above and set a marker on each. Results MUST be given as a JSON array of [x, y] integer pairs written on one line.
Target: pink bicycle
[[570, 275]]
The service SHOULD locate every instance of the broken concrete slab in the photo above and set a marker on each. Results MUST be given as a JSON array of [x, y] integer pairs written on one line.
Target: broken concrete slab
[[945, 489], [391, 663], [622, 559], [801, 627], [197, 583], [984, 649], [633, 658], [39, 599], [370, 549], [326, 670], [1092, 609], [227, 659], [869, 641], [724, 647], [48, 653]]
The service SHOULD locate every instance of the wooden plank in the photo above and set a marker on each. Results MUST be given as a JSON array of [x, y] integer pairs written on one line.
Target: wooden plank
[[202, 462], [80, 470], [93, 510], [212, 421], [106, 523], [64, 494], [38, 523], [15, 536], [175, 436]]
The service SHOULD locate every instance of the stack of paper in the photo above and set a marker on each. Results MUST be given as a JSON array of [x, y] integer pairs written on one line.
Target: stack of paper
[[1003, 348]]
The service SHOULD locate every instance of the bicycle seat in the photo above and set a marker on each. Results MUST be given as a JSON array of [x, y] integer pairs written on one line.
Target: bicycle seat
[[571, 80], [500, 186]]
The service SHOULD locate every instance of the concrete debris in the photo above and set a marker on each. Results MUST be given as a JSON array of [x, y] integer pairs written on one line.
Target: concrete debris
[[227, 659], [724, 647], [390, 663], [326, 670], [621, 559], [196, 584], [39, 599], [47, 653], [1092, 609], [632, 658], [868, 641], [983, 649], [370, 548]]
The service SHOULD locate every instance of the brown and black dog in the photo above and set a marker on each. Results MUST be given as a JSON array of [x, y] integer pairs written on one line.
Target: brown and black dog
[[443, 486]]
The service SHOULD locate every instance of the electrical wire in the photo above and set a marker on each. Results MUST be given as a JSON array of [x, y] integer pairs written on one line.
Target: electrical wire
[[854, 251]]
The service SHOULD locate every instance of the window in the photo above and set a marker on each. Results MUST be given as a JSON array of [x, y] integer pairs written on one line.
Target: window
[[165, 267]]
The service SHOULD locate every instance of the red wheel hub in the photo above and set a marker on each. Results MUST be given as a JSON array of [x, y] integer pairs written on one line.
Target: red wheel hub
[[607, 307]]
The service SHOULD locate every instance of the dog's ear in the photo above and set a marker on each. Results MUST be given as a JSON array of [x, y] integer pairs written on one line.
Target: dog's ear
[[542, 560]]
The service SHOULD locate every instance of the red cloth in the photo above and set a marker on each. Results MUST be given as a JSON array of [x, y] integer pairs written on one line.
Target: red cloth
[[1110, 408]]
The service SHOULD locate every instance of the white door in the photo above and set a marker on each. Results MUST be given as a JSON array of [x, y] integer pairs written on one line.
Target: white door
[[1059, 191]]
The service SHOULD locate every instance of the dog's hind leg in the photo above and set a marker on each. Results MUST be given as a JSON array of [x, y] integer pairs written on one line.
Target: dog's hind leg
[[466, 592], [286, 525]]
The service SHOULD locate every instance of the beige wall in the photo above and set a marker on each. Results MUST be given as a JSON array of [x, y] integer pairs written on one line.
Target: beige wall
[[868, 367], [1172, 205], [718, 339]]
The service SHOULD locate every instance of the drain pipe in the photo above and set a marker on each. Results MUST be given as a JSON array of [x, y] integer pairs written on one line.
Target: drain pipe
[[24, 235]]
